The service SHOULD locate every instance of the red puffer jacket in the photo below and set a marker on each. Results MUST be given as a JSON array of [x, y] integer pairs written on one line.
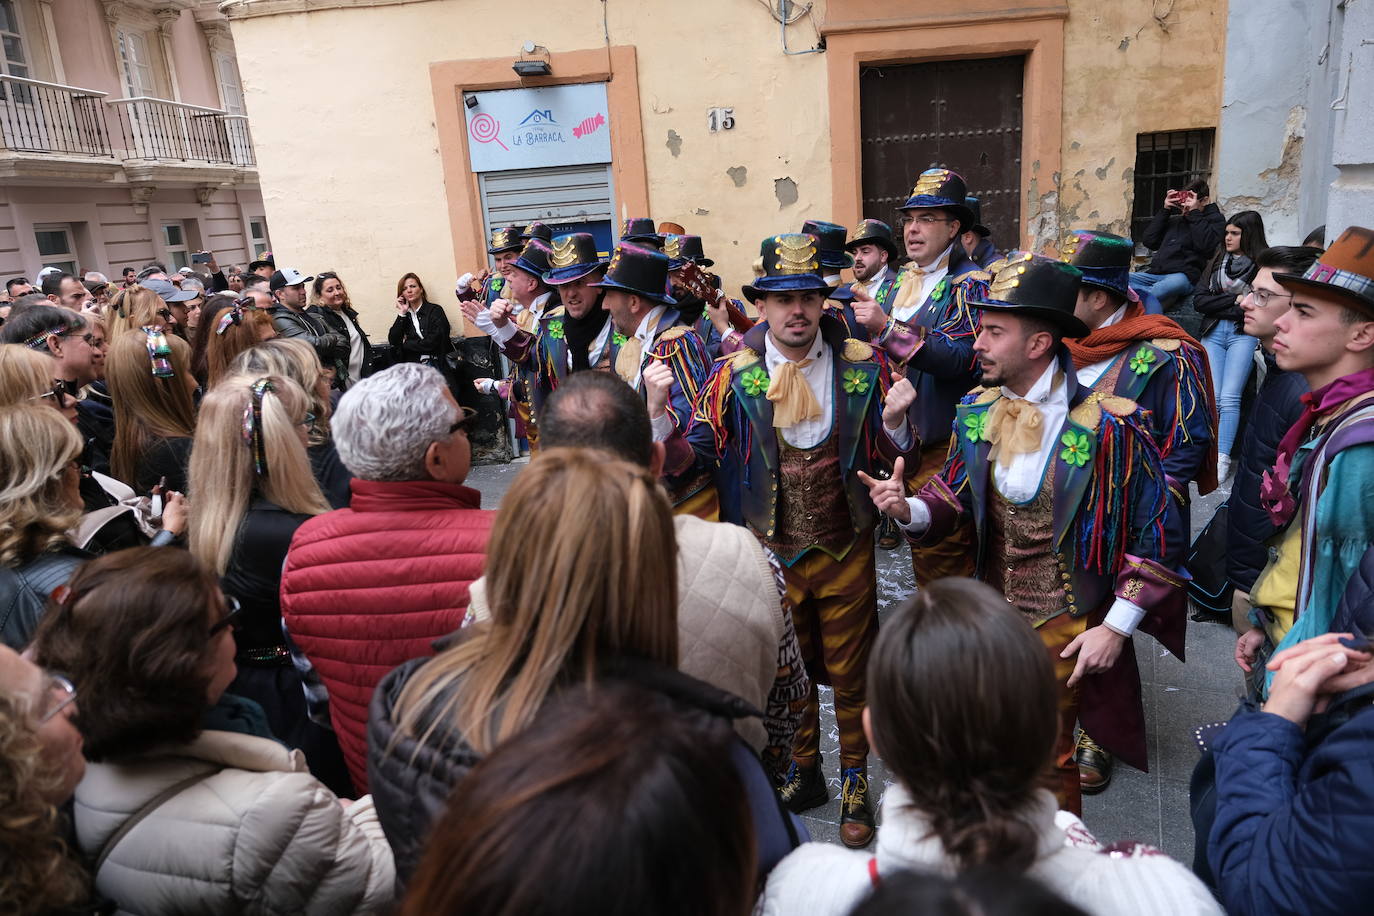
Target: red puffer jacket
[[371, 586]]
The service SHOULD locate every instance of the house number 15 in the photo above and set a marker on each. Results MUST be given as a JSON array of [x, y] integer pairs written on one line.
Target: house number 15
[[720, 119]]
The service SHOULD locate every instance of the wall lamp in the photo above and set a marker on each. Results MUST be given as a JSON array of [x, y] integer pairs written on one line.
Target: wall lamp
[[533, 61]]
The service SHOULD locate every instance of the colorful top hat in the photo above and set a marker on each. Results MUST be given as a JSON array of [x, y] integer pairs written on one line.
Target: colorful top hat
[[683, 248], [574, 256], [1029, 284], [537, 230], [1344, 272], [942, 189], [640, 271], [790, 263], [976, 208], [873, 232], [640, 229], [534, 258], [1103, 258], [507, 239], [830, 238]]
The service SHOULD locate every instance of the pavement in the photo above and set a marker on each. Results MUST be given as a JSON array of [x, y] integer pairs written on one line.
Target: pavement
[[1138, 806]]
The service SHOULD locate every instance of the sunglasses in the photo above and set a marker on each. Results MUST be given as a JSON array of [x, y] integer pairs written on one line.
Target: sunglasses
[[231, 619], [58, 393]]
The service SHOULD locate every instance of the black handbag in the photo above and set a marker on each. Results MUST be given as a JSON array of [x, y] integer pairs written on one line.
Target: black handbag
[[1211, 589]]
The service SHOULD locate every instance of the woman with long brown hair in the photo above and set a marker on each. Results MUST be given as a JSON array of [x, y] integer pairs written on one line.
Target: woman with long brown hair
[[560, 616], [420, 332], [231, 325], [963, 709], [149, 374]]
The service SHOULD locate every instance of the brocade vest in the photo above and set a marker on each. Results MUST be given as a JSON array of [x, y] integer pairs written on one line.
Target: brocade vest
[[813, 511], [1021, 560]]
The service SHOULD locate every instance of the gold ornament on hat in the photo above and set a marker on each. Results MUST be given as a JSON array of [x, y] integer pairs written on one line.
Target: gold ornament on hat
[[929, 182], [796, 254], [672, 246], [615, 259], [498, 237], [564, 253], [1009, 275], [1069, 247]]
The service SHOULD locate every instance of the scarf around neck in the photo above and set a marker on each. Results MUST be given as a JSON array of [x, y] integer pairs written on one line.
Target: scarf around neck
[[1134, 326], [580, 333]]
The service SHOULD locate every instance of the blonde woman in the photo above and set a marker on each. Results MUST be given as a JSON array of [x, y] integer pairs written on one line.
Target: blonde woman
[[253, 487], [562, 616], [295, 359], [40, 498], [329, 300], [149, 375], [26, 378], [232, 325], [134, 308]]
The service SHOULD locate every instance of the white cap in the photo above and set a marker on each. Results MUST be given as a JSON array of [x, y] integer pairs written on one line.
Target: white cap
[[48, 270]]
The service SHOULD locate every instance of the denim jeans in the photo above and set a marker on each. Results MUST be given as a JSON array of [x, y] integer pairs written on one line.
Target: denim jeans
[[1166, 287], [1232, 356]]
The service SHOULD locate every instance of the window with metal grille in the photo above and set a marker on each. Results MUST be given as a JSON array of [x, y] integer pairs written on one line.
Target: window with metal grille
[[1164, 162]]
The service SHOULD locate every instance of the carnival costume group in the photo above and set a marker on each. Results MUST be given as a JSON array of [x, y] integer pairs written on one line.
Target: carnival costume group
[[1071, 499]]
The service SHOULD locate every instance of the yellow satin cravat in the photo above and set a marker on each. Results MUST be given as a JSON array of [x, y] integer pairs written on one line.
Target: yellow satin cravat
[[1014, 427], [911, 289], [793, 400], [629, 359], [525, 321]]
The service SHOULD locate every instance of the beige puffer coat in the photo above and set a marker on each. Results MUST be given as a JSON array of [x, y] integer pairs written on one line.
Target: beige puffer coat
[[258, 834]]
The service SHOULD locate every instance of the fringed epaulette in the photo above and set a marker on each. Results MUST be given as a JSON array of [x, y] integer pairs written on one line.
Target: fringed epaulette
[[556, 312], [1167, 344], [674, 332], [980, 395], [1194, 397], [1123, 450], [856, 351], [685, 354], [716, 401]]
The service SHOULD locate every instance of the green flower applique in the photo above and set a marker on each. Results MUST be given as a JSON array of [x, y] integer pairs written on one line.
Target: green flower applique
[[618, 338], [855, 381], [556, 330], [755, 381], [1077, 448], [976, 426], [939, 291], [1140, 363]]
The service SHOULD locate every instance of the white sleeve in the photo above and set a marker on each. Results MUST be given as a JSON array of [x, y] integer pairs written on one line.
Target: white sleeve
[[920, 516], [503, 334], [662, 426], [901, 436], [1124, 616], [484, 322]]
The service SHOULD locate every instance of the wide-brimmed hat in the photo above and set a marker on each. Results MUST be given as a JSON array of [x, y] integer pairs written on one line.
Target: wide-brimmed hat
[[873, 232], [791, 263], [944, 190], [639, 270], [534, 258], [830, 238], [640, 229], [574, 256], [170, 293], [1041, 287], [1345, 271], [1104, 259], [976, 208], [507, 239], [536, 230], [683, 248]]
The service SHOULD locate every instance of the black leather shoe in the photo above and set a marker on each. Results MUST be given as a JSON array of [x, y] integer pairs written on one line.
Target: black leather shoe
[[856, 816], [804, 789], [1094, 765]]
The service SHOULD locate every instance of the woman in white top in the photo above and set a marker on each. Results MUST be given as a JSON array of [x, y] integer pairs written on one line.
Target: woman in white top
[[963, 710]]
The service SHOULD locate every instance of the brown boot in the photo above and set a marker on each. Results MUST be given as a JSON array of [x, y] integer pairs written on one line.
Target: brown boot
[[1094, 765], [856, 816]]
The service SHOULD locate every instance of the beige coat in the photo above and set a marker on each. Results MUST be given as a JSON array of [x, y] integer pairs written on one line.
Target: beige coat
[[258, 834]]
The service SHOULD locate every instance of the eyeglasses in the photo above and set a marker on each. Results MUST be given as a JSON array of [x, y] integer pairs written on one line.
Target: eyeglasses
[[1264, 298], [58, 694], [925, 219], [233, 611]]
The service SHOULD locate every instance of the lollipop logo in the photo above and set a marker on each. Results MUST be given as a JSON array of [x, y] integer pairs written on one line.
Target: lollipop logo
[[484, 129]]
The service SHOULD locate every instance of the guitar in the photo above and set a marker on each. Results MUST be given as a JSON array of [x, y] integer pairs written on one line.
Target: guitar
[[698, 283]]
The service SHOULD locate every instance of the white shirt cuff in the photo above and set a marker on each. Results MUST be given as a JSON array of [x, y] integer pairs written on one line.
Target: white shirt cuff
[[484, 322], [502, 335], [487, 385], [662, 426], [1124, 616], [920, 516], [901, 436]]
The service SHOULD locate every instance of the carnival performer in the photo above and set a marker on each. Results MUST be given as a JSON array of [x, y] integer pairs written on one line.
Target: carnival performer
[[875, 259], [1063, 488], [681, 251], [786, 422], [486, 287]]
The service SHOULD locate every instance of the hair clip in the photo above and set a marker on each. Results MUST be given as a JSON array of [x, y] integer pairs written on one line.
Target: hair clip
[[37, 341], [252, 424], [235, 314], [159, 352], [62, 596]]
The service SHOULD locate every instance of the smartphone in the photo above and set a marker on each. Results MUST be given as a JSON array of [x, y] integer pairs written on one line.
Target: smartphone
[[200, 257], [155, 507]]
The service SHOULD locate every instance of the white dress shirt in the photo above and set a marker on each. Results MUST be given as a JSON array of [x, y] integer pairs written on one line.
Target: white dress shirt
[[1088, 375], [502, 335], [934, 274], [871, 286], [807, 433], [1021, 480]]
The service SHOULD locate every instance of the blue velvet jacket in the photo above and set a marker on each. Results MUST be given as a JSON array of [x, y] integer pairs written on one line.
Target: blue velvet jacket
[[546, 351]]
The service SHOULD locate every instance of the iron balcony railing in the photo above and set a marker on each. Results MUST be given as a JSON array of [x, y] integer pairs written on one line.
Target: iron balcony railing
[[38, 117]]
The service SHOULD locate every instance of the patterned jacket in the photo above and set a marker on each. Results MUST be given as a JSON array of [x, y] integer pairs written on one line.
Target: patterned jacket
[[546, 351]]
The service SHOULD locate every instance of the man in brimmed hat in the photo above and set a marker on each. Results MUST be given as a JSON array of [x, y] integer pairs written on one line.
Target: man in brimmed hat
[[927, 330], [786, 422], [662, 359], [525, 305], [1318, 492], [977, 238], [834, 257], [640, 230], [681, 251], [1154, 362], [875, 259], [488, 286], [1064, 490]]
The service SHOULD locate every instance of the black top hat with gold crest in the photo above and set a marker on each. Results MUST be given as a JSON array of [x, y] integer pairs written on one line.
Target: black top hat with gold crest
[[534, 258], [683, 248], [640, 271], [873, 232], [791, 263], [1041, 287], [831, 238], [640, 229], [507, 239], [574, 256], [1104, 259], [536, 230], [944, 190]]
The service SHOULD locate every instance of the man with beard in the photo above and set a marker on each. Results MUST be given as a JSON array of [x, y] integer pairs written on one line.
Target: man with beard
[[1063, 491], [875, 259], [692, 310]]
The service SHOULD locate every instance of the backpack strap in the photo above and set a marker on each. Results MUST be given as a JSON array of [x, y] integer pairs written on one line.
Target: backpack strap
[[148, 808]]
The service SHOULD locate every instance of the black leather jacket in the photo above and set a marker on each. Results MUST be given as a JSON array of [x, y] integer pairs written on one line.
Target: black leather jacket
[[24, 591], [328, 344]]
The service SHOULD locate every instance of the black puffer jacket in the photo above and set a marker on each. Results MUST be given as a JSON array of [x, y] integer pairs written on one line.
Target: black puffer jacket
[[1182, 242], [1275, 409], [411, 782]]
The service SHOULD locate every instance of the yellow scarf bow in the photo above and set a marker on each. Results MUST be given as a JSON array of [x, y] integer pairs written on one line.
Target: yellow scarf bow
[[793, 400], [1014, 427], [629, 359]]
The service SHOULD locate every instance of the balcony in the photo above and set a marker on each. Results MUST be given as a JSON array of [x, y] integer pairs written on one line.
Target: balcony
[[89, 133]]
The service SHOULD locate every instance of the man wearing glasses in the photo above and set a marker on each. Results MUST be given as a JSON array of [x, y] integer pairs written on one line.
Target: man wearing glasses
[[928, 331], [49, 702]]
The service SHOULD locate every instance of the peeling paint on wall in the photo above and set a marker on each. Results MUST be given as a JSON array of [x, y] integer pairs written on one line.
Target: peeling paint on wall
[[674, 143], [1280, 183], [785, 190], [738, 174]]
